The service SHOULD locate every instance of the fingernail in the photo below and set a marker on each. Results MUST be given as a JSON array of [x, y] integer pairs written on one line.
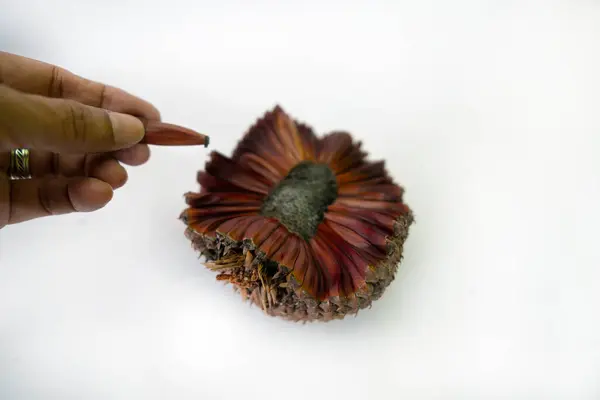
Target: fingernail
[[128, 130]]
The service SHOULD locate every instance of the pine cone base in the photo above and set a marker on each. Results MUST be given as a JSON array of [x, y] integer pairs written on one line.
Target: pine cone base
[[275, 290]]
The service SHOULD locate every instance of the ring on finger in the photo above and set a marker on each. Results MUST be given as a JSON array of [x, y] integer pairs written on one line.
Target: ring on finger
[[19, 165]]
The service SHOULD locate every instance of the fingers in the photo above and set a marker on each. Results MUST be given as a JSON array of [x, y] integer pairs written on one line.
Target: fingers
[[35, 198], [134, 156], [36, 77], [104, 166], [49, 109], [63, 126], [99, 166], [111, 172]]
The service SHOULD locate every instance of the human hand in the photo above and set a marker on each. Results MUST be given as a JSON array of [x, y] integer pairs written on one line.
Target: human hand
[[78, 132]]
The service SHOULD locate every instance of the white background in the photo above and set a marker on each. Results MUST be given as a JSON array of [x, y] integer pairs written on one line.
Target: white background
[[487, 112]]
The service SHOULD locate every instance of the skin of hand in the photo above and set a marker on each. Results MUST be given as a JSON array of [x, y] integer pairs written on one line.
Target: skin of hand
[[79, 134]]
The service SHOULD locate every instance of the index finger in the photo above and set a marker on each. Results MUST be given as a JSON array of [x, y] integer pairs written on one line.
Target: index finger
[[37, 77]]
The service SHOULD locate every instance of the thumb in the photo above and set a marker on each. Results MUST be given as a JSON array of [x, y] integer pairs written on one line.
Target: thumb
[[62, 126]]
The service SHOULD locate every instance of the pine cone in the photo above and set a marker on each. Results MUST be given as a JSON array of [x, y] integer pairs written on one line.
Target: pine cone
[[303, 227]]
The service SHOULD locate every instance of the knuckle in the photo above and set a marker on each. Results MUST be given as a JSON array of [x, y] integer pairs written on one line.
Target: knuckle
[[102, 96], [54, 198], [75, 122], [45, 200], [56, 83], [82, 124]]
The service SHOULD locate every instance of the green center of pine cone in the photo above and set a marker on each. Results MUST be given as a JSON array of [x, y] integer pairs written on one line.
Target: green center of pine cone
[[300, 200]]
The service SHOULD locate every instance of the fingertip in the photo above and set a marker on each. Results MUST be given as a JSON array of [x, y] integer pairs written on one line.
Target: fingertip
[[152, 113], [124, 102], [89, 194]]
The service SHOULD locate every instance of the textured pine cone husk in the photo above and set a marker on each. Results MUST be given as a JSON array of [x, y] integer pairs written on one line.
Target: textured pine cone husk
[[352, 259], [286, 299]]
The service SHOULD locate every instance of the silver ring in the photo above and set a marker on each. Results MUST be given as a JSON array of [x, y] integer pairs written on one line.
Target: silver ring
[[19, 164]]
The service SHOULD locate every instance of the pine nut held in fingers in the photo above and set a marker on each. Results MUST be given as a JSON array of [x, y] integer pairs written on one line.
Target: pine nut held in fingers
[[163, 134]]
